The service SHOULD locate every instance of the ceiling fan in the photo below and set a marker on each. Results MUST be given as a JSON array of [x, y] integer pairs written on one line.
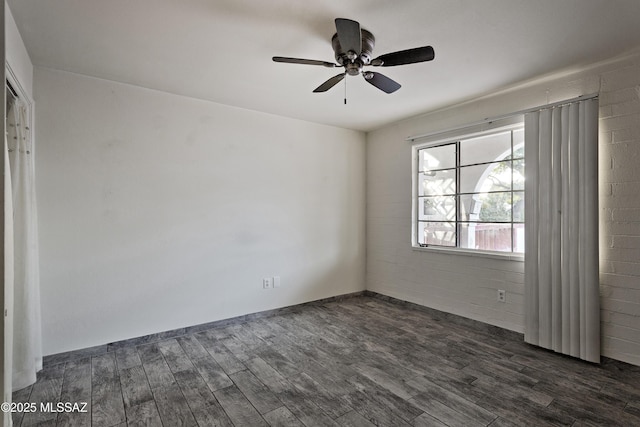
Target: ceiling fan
[[353, 46]]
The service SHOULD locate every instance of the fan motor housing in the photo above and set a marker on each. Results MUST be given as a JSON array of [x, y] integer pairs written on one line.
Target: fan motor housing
[[354, 67]]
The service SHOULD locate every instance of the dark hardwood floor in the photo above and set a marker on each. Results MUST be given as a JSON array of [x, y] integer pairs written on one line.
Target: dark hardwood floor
[[360, 361]]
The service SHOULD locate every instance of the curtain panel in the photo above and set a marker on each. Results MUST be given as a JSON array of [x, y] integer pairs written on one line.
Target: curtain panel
[[27, 336]]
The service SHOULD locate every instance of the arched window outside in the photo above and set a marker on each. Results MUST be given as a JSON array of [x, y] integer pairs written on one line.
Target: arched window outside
[[493, 200]]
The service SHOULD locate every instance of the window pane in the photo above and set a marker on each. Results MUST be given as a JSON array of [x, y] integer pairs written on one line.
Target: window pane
[[441, 157], [518, 174], [483, 149], [518, 143], [518, 238], [437, 233], [486, 207], [433, 183], [518, 206], [485, 178], [437, 208], [470, 206], [486, 236]]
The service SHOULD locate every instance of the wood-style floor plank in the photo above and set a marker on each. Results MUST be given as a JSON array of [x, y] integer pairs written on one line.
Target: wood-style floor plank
[[305, 409], [212, 416], [391, 403], [282, 417], [222, 355], [372, 410], [198, 394], [173, 407], [354, 362], [44, 391], [107, 407], [175, 356], [193, 348], [143, 415], [332, 405], [127, 357], [21, 396], [135, 387], [354, 419], [76, 388], [269, 376], [257, 393], [213, 374], [238, 407]]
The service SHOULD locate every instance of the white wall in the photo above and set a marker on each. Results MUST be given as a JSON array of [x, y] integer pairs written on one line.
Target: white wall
[[467, 285], [159, 211]]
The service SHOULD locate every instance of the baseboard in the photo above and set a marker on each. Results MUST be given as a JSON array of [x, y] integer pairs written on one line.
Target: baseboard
[[67, 356], [436, 315], [605, 362]]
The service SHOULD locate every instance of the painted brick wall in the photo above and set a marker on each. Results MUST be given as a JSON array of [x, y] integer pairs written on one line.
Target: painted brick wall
[[467, 286], [620, 212]]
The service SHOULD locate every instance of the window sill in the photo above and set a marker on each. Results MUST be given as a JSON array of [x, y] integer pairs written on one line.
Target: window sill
[[473, 253]]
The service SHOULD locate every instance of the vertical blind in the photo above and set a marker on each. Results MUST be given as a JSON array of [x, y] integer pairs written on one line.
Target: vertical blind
[[562, 303]]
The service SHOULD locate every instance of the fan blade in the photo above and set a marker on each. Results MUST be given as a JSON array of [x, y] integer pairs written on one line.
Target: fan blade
[[402, 57], [349, 35], [304, 61], [330, 83], [381, 81]]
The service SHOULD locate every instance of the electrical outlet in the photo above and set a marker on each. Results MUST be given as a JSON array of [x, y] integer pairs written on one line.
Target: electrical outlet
[[276, 281], [267, 283], [502, 295]]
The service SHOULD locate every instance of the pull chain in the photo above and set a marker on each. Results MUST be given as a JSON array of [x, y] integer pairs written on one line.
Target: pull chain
[[345, 90]]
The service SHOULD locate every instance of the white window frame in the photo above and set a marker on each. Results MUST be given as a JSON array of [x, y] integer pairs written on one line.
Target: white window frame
[[453, 136]]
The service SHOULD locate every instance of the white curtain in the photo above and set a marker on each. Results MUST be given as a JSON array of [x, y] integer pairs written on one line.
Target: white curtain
[[8, 275], [562, 302], [27, 338]]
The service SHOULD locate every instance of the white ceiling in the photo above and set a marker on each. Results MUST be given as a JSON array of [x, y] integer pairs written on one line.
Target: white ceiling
[[220, 50]]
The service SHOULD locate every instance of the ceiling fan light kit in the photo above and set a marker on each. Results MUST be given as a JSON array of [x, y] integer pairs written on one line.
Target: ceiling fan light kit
[[353, 48]]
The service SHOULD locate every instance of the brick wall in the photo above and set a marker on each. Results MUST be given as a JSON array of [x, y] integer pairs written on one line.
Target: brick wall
[[620, 212], [466, 285]]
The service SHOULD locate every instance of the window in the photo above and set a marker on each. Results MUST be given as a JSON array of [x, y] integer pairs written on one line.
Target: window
[[469, 192]]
